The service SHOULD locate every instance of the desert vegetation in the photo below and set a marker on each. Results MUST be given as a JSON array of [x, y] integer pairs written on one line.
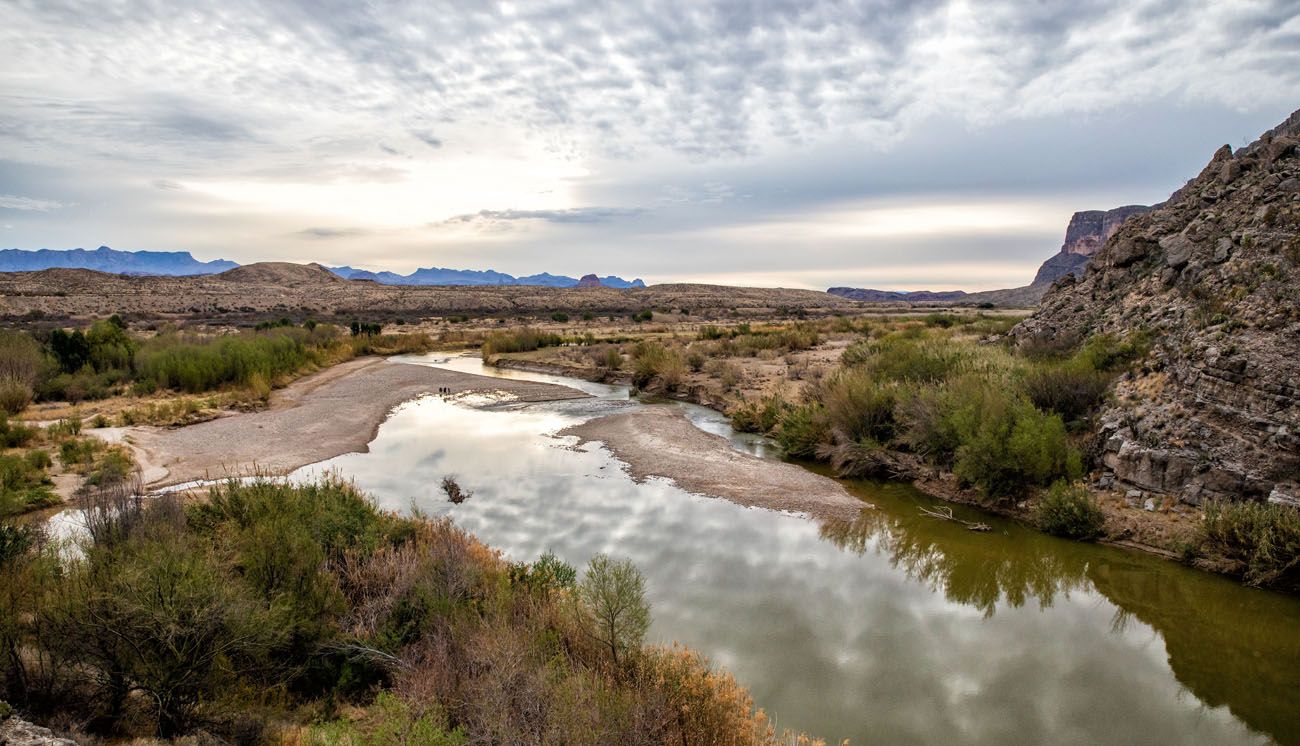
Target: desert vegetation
[[303, 614], [1259, 541], [31, 454], [107, 359], [931, 389]]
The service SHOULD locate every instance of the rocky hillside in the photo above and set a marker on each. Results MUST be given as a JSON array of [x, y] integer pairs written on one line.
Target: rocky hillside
[[1084, 236], [1212, 279]]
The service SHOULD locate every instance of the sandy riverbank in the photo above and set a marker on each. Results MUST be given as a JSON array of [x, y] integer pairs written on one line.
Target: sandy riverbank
[[661, 442], [319, 417]]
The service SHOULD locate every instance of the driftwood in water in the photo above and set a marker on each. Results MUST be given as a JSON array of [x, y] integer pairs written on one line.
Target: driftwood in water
[[945, 514]]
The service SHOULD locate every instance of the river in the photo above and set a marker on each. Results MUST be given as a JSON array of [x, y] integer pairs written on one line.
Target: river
[[893, 629]]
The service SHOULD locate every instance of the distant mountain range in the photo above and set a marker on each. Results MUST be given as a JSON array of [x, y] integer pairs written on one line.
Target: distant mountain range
[[443, 276], [1087, 232], [105, 259], [176, 263]]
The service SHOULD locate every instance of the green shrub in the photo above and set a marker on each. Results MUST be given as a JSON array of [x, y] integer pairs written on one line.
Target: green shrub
[[526, 339], [560, 316], [389, 721], [859, 407], [803, 430], [1008, 446], [898, 358], [1069, 510], [1263, 539], [14, 434], [1106, 352]]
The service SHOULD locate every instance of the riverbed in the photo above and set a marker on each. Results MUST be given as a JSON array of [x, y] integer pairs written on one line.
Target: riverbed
[[891, 628]]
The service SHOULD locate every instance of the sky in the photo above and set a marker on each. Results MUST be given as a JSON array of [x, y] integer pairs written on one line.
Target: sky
[[881, 143]]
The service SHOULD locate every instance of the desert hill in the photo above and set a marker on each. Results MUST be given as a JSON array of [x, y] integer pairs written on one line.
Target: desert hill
[[1212, 279], [274, 288], [285, 274]]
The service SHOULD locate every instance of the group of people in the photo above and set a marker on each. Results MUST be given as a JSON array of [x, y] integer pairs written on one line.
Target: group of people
[[444, 389]]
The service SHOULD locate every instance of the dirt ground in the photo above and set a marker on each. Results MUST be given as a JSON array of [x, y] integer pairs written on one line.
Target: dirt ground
[[661, 442]]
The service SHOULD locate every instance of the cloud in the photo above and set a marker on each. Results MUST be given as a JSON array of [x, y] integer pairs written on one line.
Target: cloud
[[574, 215], [328, 233], [428, 139], [713, 114], [27, 204], [167, 185]]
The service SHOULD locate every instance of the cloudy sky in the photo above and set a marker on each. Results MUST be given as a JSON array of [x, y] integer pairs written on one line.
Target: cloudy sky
[[882, 143]]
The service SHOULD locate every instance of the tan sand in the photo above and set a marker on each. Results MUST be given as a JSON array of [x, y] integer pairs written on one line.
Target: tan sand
[[328, 414], [661, 442]]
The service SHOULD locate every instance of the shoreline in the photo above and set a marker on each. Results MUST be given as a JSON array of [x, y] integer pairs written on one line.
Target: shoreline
[[316, 418], [661, 442]]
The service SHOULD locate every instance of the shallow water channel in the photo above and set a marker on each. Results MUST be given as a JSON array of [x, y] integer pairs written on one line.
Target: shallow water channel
[[894, 629]]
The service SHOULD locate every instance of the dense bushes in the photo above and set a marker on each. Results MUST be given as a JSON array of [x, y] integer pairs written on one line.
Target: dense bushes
[[1069, 510], [526, 339], [1261, 539], [270, 603], [654, 363], [21, 363], [998, 421], [106, 359], [193, 365], [1008, 446]]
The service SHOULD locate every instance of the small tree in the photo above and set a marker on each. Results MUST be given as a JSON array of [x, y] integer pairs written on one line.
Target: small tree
[[611, 604]]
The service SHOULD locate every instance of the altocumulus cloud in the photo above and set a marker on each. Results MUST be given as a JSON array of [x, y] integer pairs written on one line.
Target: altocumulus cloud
[[574, 215], [562, 106], [14, 202]]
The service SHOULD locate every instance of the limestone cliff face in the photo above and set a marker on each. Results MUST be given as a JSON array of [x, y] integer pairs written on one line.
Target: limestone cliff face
[[1212, 276], [1087, 232]]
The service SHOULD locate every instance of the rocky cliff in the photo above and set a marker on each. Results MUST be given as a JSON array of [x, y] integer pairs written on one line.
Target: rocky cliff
[[1211, 278], [1087, 232]]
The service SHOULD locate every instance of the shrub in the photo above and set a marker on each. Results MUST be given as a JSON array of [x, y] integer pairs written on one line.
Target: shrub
[[1263, 539], [1072, 391], [1069, 510], [526, 339], [15, 395], [803, 429], [611, 604], [560, 316], [613, 359], [898, 358], [758, 415], [14, 434], [1106, 352], [652, 362], [389, 720], [858, 406], [1008, 446]]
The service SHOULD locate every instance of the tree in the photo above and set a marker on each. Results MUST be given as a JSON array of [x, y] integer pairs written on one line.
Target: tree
[[611, 604]]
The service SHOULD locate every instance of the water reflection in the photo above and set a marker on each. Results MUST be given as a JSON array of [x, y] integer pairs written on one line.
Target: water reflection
[[894, 629], [966, 566]]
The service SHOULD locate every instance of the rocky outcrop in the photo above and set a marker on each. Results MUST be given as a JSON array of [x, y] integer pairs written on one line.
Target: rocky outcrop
[[589, 281], [1211, 278], [15, 731], [1087, 232]]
